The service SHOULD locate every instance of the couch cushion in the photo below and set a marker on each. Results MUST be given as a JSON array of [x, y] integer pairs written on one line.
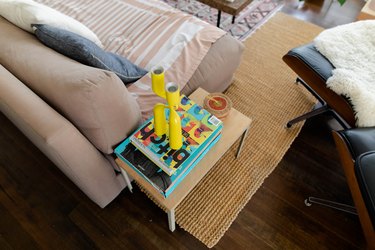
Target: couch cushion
[[94, 100], [215, 72], [152, 33], [85, 51], [23, 13]]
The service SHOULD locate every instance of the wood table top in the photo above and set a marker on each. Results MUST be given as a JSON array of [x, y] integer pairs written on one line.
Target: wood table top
[[232, 8]]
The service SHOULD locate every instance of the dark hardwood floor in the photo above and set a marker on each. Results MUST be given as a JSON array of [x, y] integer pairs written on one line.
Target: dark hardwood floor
[[41, 208], [325, 13]]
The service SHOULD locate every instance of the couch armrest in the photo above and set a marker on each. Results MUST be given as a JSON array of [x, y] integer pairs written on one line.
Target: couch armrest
[[215, 72], [94, 100], [59, 140]]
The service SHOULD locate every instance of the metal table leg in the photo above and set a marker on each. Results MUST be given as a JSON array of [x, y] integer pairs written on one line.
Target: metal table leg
[[241, 143], [218, 18], [171, 220], [127, 180]]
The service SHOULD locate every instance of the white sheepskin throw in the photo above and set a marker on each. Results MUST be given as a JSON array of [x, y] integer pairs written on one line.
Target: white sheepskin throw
[[351, 49]]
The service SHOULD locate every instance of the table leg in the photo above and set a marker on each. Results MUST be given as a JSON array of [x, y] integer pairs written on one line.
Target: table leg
[[218, 18], [171, 220], [233, 19], [127, 180], [241, 143]]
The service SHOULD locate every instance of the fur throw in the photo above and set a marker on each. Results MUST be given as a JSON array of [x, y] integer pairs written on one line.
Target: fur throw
[[351, 49]]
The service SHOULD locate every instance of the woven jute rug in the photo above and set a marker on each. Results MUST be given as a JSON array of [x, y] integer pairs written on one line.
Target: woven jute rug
[[264, 90], [247, 21]]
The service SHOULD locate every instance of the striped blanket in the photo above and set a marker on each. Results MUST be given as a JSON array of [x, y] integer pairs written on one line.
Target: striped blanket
[[148, 33]]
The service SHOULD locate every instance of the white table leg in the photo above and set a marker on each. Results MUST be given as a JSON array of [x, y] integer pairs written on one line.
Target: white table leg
[[127, 180], [241, 143], [171, 220]]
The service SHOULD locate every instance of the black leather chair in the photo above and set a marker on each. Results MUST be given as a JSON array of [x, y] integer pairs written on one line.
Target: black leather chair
[[313, 70], [356, 148]]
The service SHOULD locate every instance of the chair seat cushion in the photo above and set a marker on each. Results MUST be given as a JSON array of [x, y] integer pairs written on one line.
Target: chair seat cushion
[[365, 173], [312, 58]]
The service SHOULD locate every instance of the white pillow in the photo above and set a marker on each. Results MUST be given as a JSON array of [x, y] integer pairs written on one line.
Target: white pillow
[[23, 13]]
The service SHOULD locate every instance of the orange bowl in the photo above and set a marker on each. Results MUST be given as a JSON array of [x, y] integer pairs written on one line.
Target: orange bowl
[[217, 104]]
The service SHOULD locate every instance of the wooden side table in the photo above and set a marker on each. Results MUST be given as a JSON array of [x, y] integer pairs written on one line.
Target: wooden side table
[[232, 8], [235, 126], [368, 11]]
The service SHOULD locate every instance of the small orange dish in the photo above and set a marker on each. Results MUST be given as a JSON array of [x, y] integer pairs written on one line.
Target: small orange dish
[[217, 104]]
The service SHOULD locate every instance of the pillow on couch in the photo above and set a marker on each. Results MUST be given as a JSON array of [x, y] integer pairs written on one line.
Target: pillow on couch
[[23, 13], [84, 51]]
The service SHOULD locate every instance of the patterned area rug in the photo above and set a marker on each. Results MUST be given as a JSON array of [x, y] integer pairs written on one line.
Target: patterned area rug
[[252, 17]]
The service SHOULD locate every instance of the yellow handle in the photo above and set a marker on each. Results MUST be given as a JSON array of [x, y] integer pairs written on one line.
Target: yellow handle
[[157, 80], [173, 94], [175, 134], [160, 122]]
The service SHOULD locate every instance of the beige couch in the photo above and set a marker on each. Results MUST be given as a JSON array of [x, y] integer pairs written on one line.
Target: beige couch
[[76, 114]]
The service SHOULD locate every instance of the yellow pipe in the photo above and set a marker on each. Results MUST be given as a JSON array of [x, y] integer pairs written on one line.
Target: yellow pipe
[[157, 80], [173, 94], [173, 98], [175, 134], [160, 122]]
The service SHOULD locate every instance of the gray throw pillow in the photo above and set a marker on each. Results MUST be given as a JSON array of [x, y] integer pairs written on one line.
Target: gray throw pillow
[[85, 51]]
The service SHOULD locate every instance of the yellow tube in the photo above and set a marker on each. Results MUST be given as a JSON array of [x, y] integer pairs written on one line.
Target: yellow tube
[[157, 80], [160, 122], [173, 98], [175, 134], [173, 94]]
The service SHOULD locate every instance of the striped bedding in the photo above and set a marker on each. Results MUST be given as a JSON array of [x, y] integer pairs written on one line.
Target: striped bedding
[[147, 32]]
